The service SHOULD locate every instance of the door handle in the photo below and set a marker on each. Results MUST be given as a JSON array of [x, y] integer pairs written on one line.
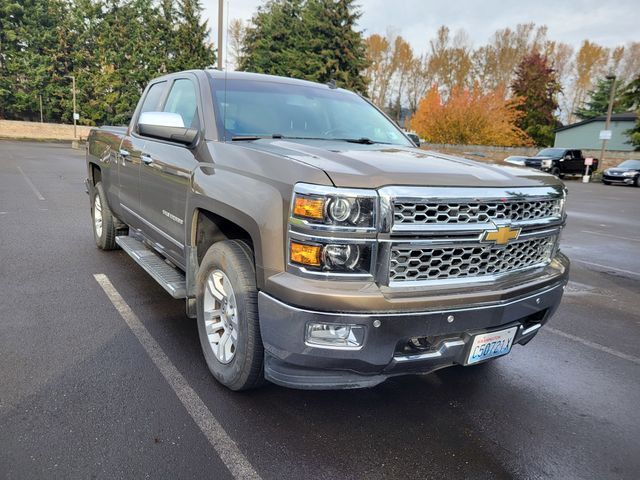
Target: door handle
[[146, 159]]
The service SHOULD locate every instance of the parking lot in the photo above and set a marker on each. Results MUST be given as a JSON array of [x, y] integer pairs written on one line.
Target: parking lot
[[92, 388]]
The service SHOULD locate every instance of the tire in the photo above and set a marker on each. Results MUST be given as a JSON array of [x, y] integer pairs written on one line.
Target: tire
[[637, 181], [227, 304], [104, 230], [606, 183], [555, 171]]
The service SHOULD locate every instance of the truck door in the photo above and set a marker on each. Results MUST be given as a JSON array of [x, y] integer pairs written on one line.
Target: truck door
[[129, 160], [165, 174], [577, 161]]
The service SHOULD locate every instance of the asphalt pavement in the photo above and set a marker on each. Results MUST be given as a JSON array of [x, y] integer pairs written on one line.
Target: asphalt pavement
[[89, 389]]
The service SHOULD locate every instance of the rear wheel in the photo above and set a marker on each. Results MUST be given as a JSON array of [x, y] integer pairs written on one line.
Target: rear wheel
[[227, 306], [104, 224]]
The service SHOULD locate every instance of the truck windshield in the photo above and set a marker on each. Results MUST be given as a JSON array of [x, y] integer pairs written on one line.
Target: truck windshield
[[252, 108], [551, 152]]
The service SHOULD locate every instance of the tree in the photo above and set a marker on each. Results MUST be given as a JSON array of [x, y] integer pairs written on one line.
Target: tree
[[310, 39], [630, 99], [237, 32], [590, 63], [469, 116], [598, 101], [380, 69], [536, 84], [336, 49], [192, 35]]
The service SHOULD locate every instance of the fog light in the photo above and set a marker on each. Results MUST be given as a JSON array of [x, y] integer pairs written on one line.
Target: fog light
[[332, 335]]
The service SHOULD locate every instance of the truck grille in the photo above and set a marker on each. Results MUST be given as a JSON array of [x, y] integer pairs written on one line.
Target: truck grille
[[477, 212], [413, 263]]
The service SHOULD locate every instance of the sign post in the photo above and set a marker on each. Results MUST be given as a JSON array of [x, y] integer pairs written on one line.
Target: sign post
[[587, 162]]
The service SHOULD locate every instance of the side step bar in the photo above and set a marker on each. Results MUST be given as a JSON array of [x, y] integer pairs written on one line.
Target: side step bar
[[171, 279]]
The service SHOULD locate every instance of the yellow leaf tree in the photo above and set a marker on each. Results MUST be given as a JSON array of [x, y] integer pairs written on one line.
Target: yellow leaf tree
[[469, 117]]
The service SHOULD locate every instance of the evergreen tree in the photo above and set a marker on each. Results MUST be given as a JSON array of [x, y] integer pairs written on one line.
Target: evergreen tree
[[112, 47], [536, 84], [28, 38], [191, 38], [598, 101], [314, 40], [630, 100], [336, 50]]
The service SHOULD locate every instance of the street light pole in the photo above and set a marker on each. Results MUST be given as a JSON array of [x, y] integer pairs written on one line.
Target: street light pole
[[220, 15], [608, 121]]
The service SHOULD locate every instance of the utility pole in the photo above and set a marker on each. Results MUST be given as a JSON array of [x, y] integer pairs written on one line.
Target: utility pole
[[73, 88], [609, 110], [220, 23], [41, 116]]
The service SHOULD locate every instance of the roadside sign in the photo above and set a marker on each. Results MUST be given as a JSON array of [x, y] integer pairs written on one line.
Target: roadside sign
[[76, 116], [605, 134], [588, 161]]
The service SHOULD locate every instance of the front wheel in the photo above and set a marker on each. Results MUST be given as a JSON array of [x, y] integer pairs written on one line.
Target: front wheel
[[606, 183], [637, 181], [227, 306]]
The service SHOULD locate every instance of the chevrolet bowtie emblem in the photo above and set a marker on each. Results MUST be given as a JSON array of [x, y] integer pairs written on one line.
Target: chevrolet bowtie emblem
[[501, 236]]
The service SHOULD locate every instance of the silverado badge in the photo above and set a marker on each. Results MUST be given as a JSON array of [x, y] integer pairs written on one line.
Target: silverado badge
[[501, 235]]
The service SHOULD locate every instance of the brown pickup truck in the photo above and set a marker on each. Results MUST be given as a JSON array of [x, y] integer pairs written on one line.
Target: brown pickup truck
[[315, 245]]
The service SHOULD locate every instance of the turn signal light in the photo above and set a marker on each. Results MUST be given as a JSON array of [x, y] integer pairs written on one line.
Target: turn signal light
[[309, 207], [306, 254]]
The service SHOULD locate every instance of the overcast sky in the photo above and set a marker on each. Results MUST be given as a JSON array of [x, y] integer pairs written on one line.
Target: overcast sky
[[607, 23]]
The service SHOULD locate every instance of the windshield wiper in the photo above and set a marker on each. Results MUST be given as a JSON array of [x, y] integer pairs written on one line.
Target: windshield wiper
[[361, 140], [245, 138]]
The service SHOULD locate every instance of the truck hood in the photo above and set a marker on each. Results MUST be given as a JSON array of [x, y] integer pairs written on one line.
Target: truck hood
[[374, 166]]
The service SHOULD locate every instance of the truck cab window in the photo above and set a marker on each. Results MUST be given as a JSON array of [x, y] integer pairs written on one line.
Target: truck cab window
[[182, 100], [152, 100]]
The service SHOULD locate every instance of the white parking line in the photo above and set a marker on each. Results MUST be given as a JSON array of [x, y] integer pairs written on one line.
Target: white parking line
[[612, 236], [226, 448], [30, 183], [607, 267], [597, 346]]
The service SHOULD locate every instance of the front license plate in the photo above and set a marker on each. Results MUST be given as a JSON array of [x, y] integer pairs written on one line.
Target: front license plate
[[489, 345]]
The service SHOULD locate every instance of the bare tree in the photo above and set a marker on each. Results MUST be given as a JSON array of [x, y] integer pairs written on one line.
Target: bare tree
[[237, 31]]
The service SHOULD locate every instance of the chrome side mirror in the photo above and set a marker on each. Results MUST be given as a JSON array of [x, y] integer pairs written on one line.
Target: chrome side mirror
[[166, 126]]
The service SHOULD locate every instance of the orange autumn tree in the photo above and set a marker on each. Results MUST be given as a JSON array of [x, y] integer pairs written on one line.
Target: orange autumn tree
[[469, 117]]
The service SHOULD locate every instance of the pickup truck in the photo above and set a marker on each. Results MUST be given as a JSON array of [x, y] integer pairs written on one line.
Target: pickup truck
[[560, 162], [313, 243]]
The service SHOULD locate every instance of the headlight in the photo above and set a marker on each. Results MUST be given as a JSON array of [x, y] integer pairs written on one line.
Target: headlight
[[545, 164], [329, 208], [331, 257], [628, 174]]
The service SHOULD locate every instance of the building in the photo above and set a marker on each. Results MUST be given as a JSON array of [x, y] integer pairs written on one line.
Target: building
[[586, 134]]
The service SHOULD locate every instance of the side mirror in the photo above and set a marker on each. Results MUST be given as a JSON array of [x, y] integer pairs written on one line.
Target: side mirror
[[568, 156], [166, 126], [414, 138]]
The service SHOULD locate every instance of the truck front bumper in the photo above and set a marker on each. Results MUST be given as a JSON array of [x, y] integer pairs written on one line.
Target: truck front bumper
[[290, 361]]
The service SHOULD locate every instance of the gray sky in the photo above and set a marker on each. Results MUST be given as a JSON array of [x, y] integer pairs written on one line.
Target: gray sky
[[607, 23]]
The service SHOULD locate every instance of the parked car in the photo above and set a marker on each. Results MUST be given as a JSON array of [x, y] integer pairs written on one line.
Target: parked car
[[627, 173], [515, 160], [315, 245], [560, 161]]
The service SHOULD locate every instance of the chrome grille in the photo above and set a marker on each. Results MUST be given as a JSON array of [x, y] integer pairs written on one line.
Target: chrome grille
[[473, 212], [412, 263]]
